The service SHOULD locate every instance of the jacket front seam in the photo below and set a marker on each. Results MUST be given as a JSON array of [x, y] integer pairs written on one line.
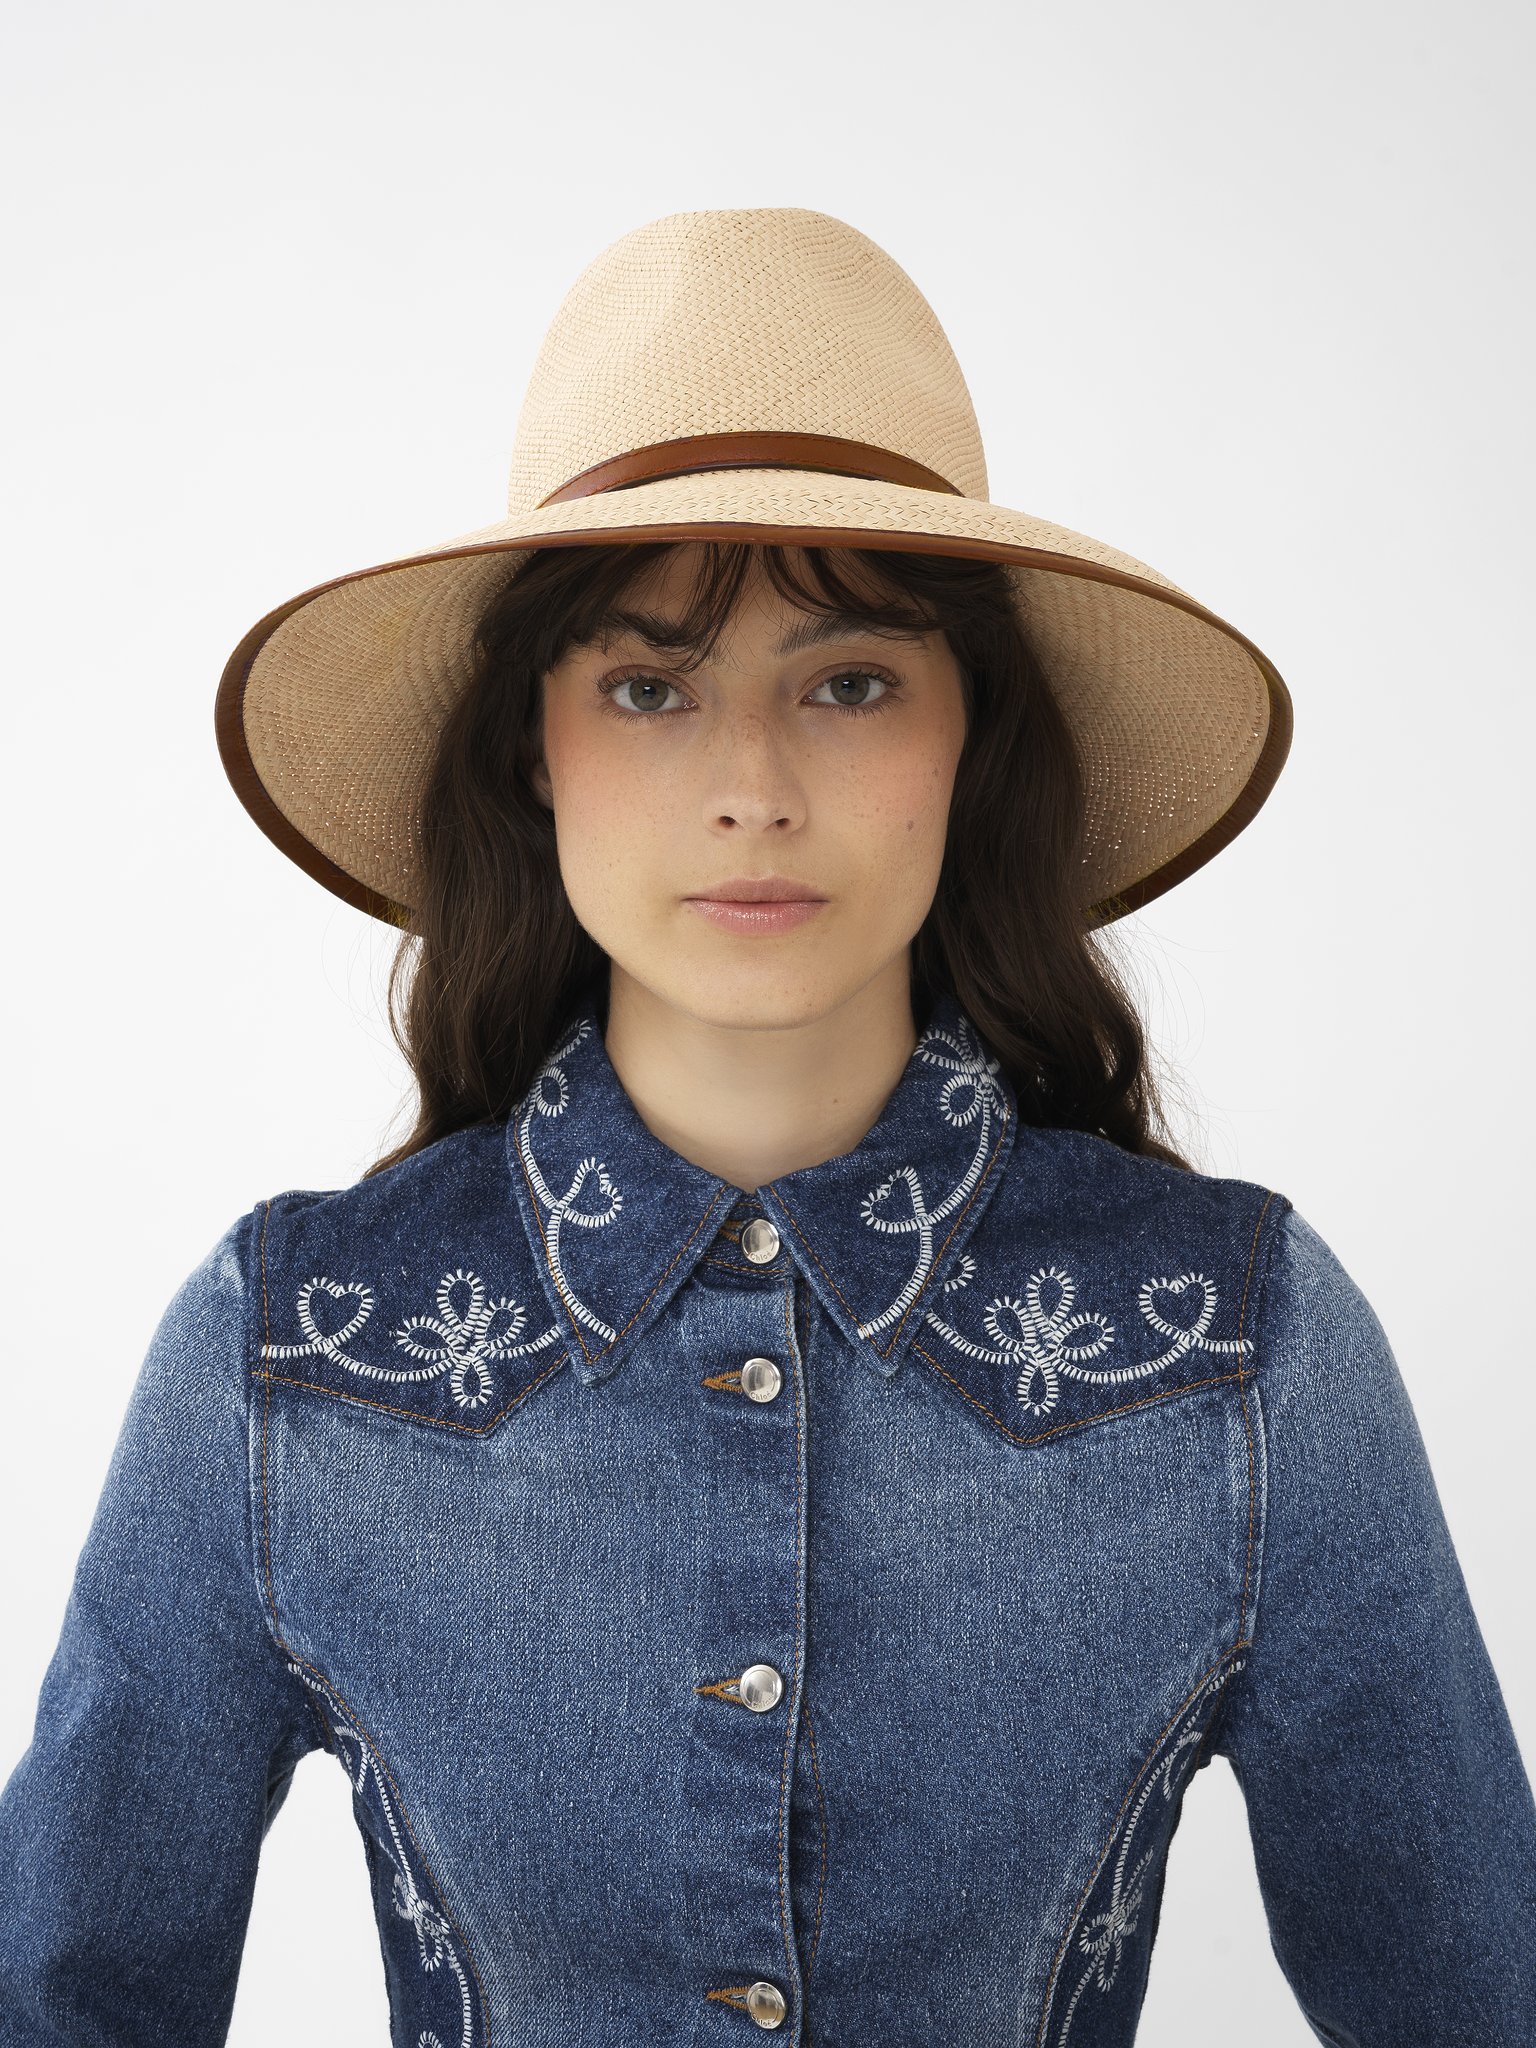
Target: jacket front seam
[[821, 1875], [1086, 1893], [787, 1763], [334, 1690]]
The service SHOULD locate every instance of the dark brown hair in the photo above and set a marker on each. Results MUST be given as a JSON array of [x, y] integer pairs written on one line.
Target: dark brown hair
[[493, 957]]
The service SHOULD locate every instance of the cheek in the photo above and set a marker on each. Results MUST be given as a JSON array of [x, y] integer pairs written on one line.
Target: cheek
[[602, 818], [898, 809]]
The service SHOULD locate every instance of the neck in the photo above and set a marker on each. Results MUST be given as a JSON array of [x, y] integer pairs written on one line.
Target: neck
[[751, 1101]]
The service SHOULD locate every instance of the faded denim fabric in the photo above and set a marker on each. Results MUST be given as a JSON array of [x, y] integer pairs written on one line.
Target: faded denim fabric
[[811, 1629]]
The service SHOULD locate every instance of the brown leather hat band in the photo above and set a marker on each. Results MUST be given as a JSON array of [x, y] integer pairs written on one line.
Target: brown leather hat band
[[694, 452]]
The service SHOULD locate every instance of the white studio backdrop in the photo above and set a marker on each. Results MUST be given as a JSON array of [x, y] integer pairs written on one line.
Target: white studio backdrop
[[1233, 291]]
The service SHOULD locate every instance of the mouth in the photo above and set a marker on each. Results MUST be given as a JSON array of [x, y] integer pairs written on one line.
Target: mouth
[[756, 913]]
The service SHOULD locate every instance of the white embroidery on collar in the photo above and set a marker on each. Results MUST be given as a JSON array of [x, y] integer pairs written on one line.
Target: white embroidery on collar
[[561, 1209], [971, 1072], [970, 1095]]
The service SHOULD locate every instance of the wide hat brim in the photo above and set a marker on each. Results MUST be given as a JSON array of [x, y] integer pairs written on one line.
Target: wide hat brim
[[328, 710]]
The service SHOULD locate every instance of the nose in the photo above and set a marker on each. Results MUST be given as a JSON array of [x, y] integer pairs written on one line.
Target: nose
[[750, 775]]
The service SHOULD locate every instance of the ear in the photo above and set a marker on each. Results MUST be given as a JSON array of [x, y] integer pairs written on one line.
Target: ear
[[539, 782]]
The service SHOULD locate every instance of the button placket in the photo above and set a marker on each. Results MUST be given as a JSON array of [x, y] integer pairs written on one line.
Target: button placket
[[754, 1589]]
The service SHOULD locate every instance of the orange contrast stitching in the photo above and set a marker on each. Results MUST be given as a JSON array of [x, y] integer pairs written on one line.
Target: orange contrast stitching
[[937, 1258], [413, 1414], [587, 1355], [1083, 1421], [723, 1689]]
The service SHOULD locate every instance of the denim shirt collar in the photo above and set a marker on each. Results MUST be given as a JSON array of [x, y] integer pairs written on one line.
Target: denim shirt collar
[[618, 1221]]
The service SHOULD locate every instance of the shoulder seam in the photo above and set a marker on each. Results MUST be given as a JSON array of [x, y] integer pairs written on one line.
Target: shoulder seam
[[1253, 1414], [259, 1542]]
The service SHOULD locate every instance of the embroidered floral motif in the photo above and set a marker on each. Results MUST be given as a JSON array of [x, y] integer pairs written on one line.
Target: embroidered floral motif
[[457, 1341], [1101, 1937], [434, 1944], [1052, 1341]]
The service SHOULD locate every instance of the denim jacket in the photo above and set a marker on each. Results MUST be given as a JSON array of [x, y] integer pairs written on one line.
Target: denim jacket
[[799, 1611]]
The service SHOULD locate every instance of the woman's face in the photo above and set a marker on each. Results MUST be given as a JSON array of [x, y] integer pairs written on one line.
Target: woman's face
[[828, 766]]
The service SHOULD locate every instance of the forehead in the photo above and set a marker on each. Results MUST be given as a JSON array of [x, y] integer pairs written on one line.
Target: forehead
[[671, 579], [658, 604]]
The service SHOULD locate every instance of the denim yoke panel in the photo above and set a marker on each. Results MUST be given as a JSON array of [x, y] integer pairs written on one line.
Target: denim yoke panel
[[870, 1672]]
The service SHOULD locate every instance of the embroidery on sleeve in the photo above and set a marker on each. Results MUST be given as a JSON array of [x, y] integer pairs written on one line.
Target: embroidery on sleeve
[[459, 1341]]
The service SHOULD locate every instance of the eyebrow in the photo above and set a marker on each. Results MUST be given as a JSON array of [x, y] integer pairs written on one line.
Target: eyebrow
[[812, 630]]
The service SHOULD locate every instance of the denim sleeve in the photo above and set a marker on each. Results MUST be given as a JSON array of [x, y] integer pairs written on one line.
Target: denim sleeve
[[1392, 1820], [167, 1727]]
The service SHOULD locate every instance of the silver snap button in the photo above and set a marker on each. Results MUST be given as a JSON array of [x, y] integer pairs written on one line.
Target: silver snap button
[[761, 1688], [761, 1379], [765, 2002], [760, 1241]]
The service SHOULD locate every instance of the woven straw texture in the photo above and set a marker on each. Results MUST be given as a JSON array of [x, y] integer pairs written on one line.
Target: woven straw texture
[[709, 323], [748, 320]]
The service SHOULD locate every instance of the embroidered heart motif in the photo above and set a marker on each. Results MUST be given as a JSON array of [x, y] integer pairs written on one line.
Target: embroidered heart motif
[[591, 1219], [896, 1206], [1180, 1308], [327, 1331]]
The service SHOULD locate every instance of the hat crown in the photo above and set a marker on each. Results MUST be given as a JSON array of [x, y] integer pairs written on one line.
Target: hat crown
[[771, 318]]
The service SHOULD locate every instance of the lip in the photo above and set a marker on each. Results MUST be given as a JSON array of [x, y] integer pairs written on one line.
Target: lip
[[758, 903], [758, 889], [768, 916]]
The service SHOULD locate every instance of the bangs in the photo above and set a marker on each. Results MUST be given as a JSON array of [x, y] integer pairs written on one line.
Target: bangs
[[846, 590]]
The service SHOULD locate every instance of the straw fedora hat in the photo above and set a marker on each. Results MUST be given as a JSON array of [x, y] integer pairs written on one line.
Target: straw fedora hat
[[766, 374]]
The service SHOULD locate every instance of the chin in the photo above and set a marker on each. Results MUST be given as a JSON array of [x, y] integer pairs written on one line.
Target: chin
[[743, 1001]]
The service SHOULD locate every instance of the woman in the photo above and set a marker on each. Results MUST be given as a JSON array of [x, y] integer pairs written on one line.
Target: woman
[[775, 1486]]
